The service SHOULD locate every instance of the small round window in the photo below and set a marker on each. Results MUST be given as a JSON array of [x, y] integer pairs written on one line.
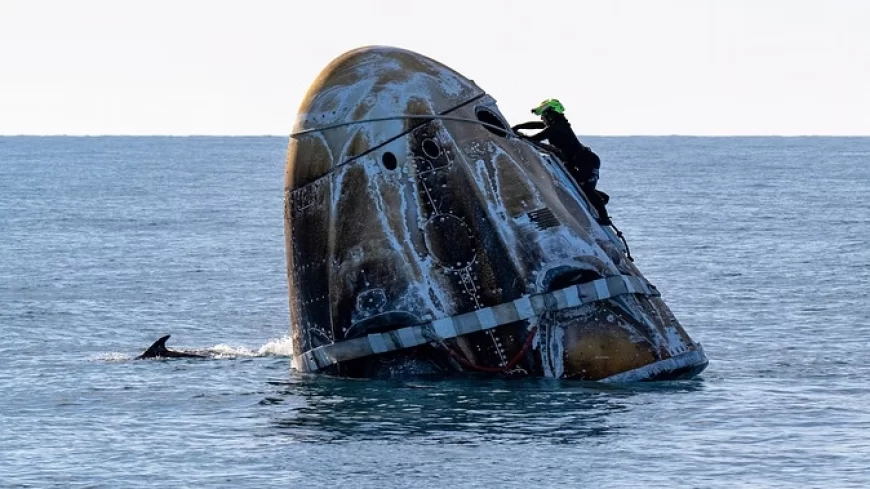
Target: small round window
[[491, 121], [389, 161], [431, 148]]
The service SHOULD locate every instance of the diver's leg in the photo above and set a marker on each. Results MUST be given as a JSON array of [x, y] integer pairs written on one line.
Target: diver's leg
[[595, 198]]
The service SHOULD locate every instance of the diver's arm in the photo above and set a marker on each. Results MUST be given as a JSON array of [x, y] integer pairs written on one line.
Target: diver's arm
[[529, 125], [540, 136]]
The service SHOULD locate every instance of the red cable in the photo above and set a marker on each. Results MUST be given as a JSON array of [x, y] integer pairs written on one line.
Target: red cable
[[513, 363]]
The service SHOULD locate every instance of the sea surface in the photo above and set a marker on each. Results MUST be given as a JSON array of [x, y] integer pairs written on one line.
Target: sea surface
[[761, 247]]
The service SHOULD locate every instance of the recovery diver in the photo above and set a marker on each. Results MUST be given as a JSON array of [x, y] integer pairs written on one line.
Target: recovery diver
[[580, 160]]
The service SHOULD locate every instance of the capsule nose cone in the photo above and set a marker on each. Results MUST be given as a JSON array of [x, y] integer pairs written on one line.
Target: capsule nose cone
[[355, 93], [380, 80]]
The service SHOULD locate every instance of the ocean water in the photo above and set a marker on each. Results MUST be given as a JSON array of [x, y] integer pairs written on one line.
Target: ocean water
[[759, 246]]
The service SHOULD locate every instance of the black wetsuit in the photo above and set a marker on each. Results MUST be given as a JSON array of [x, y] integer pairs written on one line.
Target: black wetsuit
[[581, 162]]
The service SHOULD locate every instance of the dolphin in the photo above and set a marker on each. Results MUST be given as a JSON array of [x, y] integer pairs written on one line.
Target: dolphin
[[158, 350]]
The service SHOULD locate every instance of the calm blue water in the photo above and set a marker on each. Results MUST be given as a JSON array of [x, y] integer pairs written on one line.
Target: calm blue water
[[759, 245]]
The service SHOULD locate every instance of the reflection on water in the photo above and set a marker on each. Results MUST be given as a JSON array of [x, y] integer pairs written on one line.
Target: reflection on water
[[456, 411]]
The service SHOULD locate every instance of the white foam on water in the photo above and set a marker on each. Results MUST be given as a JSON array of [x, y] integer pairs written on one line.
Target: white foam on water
[[112, 357], [223, 351], [277, 347]]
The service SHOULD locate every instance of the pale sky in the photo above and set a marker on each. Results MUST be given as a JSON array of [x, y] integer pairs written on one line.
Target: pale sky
[[624, 67]]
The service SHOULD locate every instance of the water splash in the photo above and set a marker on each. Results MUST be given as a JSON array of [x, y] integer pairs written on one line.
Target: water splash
[[277, 347]]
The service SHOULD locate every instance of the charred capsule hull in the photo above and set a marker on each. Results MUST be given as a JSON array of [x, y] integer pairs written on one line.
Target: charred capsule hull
[[421, 234]]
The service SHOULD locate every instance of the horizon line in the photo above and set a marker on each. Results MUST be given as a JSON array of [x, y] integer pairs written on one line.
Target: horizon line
[[582, 135]]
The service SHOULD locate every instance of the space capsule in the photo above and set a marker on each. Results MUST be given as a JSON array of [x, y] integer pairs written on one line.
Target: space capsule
[[423, 236]]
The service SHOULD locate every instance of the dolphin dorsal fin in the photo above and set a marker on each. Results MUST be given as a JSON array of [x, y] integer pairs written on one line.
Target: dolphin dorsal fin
[[157, 349]]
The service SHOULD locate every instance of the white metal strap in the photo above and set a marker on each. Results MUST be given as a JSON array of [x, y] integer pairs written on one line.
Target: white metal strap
[[525, 307]]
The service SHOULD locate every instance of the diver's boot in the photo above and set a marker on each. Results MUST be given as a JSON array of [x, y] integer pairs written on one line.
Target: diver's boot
[[603, 218]]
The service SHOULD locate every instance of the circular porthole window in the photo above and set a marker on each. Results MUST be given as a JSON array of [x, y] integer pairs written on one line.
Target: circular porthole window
[[431, 148], [389, 161]]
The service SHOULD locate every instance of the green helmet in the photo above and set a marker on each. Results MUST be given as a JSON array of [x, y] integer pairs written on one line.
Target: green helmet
[[549, 104]]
